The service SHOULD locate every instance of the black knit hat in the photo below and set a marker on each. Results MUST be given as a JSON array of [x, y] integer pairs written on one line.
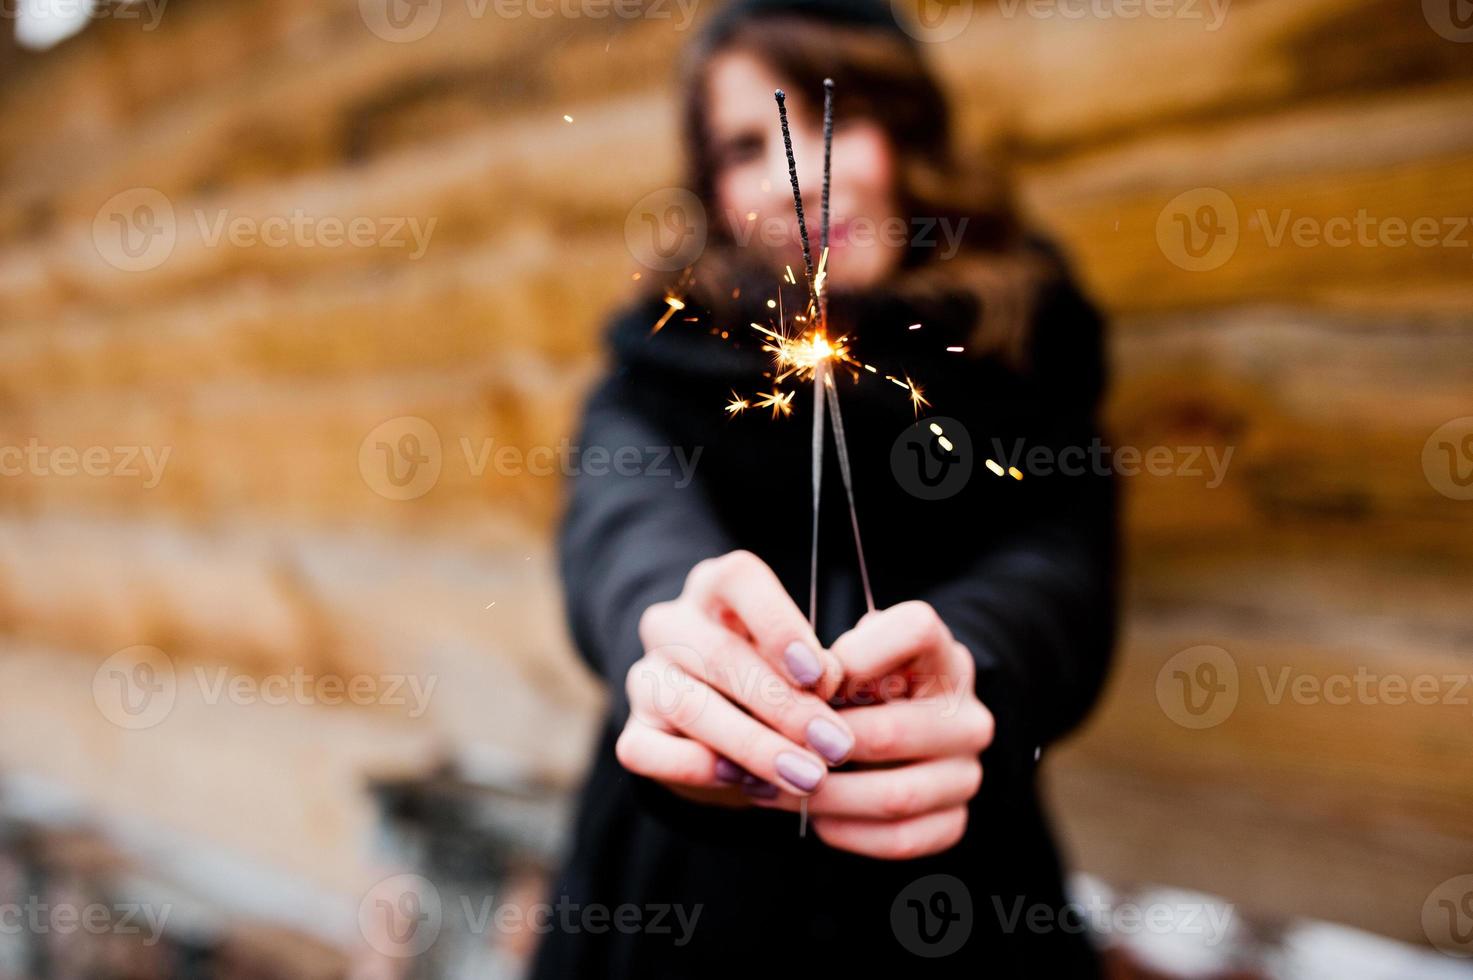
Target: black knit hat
[[876, 14]]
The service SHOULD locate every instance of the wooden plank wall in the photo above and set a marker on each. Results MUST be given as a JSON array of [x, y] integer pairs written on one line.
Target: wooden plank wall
[[1326, 548]]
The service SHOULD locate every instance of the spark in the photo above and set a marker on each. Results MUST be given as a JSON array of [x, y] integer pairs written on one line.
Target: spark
[[917, 396], [737, 405], [781, 404], [800, 357], [915, 326], [567, 118], [676, 305], [995, 467], [954, 350]]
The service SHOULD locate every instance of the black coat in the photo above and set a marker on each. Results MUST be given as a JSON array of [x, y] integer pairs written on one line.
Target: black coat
[[1021, 571]]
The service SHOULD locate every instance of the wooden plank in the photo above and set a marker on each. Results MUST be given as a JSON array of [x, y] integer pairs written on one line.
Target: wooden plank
[[528, 293], [266, 602], [1269, 861], [1306, 445]]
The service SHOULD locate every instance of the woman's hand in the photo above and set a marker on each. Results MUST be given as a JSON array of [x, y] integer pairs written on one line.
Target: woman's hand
[[918, 716], [732, 690]]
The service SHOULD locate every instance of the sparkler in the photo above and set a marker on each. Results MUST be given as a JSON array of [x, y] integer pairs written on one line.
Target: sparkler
[[811, 356], [814, 353]]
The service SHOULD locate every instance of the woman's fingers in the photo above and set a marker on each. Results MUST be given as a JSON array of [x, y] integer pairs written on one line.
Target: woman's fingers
[[666, 757], [899, 731], [707, 651], [665, 697], [894, 840], [911, 637], [892, 794], [688, 767], [740, 584]]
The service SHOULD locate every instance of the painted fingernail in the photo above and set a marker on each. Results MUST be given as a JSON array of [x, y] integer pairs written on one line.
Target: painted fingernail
[[761, 789], [829, 740], [799, 770], [802, 663], [728, 771]]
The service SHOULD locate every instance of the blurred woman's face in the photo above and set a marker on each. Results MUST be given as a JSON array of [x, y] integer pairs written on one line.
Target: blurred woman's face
[[867, 234]]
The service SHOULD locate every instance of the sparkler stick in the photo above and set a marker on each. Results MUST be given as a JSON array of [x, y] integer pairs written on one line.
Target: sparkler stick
[[833, 393], [818, 380], [843, 447], [782, 114], [828, 158]]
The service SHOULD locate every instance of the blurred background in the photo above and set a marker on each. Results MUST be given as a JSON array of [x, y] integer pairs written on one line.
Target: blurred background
[[298, 302]]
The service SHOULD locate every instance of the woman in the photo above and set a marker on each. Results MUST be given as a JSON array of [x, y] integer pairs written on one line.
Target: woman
[[995, 594]]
